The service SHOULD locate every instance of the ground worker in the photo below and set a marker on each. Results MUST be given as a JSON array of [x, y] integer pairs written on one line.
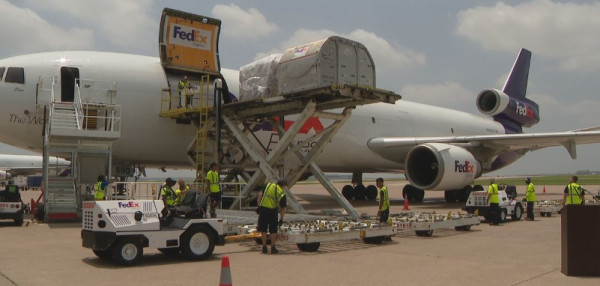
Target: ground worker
[[574, 194], [493, 200], [530, 196], [180, 192], [100, 188], [384, 201], [184, 87], [212, 184], [268, 201], [167, 194]]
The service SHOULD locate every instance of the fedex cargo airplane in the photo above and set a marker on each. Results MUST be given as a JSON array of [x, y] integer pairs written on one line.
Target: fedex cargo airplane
[[436, 148]]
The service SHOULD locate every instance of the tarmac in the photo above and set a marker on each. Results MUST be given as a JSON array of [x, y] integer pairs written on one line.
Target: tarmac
[[514, 253]]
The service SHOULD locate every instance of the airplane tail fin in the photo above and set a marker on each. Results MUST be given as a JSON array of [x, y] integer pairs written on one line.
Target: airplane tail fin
[[516, 83], [510, 107]]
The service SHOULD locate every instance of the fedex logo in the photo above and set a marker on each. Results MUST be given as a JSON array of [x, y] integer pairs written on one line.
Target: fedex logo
[[129, 205], [523, 110], [467, 167], [190, 37], [313, 123]]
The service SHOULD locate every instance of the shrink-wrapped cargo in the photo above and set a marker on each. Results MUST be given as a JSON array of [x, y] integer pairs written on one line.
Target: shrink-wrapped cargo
[[259, 79], [323, 63]]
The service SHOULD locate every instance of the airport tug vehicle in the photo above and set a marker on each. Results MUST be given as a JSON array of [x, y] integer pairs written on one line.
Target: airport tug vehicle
[[509, 206], [119, 230], [11, 205]]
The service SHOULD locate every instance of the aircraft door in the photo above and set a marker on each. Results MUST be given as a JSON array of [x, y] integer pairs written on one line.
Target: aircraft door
[[68, 75]]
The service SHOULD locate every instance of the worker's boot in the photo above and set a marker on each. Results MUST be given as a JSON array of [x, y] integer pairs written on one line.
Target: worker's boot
[[264, 250], [273, 250]]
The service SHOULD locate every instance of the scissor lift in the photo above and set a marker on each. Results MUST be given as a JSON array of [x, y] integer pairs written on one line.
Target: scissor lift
[[240, 119]]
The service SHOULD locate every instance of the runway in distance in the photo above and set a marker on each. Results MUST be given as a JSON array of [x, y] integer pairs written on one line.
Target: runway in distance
[[437, 148]]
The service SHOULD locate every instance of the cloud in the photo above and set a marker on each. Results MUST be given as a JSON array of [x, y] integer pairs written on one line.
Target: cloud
[[125, 24], [25, 31], [562, 32], [386, 56], [449, 94], [557, 115], [237, 23]]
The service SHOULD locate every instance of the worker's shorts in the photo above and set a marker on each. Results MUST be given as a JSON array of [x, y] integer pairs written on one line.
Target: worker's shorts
[[267, 219], [216, 196]]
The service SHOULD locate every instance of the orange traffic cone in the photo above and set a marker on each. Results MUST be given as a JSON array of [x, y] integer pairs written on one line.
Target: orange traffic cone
[[406, 204], [544, 189], [225, 272]]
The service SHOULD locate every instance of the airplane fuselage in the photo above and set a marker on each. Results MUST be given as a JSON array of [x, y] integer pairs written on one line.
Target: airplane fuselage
[[147, 138]]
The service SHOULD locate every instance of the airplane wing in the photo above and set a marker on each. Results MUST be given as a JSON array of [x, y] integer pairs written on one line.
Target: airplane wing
[[529, 142]]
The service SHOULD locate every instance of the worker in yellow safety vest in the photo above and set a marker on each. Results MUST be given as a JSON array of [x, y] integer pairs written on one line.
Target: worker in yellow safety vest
[[184, 88], [573, 194], [180, 192], [384, 201], [167, 194], [212, 184], [100, 189], [268, 202], [530, 196], [494, 201]]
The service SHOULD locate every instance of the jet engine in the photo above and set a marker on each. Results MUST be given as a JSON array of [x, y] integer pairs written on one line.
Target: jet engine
[[437, 166], [493, 102]]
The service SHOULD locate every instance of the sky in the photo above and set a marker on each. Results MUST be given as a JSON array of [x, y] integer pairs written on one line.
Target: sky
[[435, 52]]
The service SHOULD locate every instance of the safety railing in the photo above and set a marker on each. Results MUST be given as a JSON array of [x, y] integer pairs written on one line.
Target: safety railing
[[194, 98]]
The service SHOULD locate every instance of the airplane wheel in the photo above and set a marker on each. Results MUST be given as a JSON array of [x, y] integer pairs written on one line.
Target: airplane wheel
[[348, 192], [419, 195], [308, 247], [450, 196], [408, 193], [477, 188], [371, 192], [127, 251], [463, 194], [359, 192], [548, 214]]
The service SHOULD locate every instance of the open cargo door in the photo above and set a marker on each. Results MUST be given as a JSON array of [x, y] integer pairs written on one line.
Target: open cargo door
[[189, 42]]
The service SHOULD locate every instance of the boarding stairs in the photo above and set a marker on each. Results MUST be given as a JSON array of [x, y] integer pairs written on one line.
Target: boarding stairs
[[74, 129], [61, 198]]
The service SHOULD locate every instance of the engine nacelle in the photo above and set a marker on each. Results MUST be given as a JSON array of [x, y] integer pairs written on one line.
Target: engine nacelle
[[493, 102], [437, 166]]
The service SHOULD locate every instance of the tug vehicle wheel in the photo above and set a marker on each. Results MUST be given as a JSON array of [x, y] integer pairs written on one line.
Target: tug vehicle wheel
[[127, 251], [197, 243]]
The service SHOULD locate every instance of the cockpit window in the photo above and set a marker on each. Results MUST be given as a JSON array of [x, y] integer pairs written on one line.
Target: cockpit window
[[1, 72], [15, 75]]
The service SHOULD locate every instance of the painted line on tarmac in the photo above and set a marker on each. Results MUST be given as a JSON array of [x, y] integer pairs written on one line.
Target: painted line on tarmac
[[535, 277], [9, 280]]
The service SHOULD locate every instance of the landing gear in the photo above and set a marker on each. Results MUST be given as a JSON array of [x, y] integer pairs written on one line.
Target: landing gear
[[371, 192], [348, 192], [461, 195], [412, 194], [450, 196]]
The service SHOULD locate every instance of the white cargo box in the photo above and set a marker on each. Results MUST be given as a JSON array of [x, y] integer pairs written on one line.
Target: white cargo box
[[323, 63]]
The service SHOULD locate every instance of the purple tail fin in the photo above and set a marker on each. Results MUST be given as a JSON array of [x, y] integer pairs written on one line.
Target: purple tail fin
[[516, 84]]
